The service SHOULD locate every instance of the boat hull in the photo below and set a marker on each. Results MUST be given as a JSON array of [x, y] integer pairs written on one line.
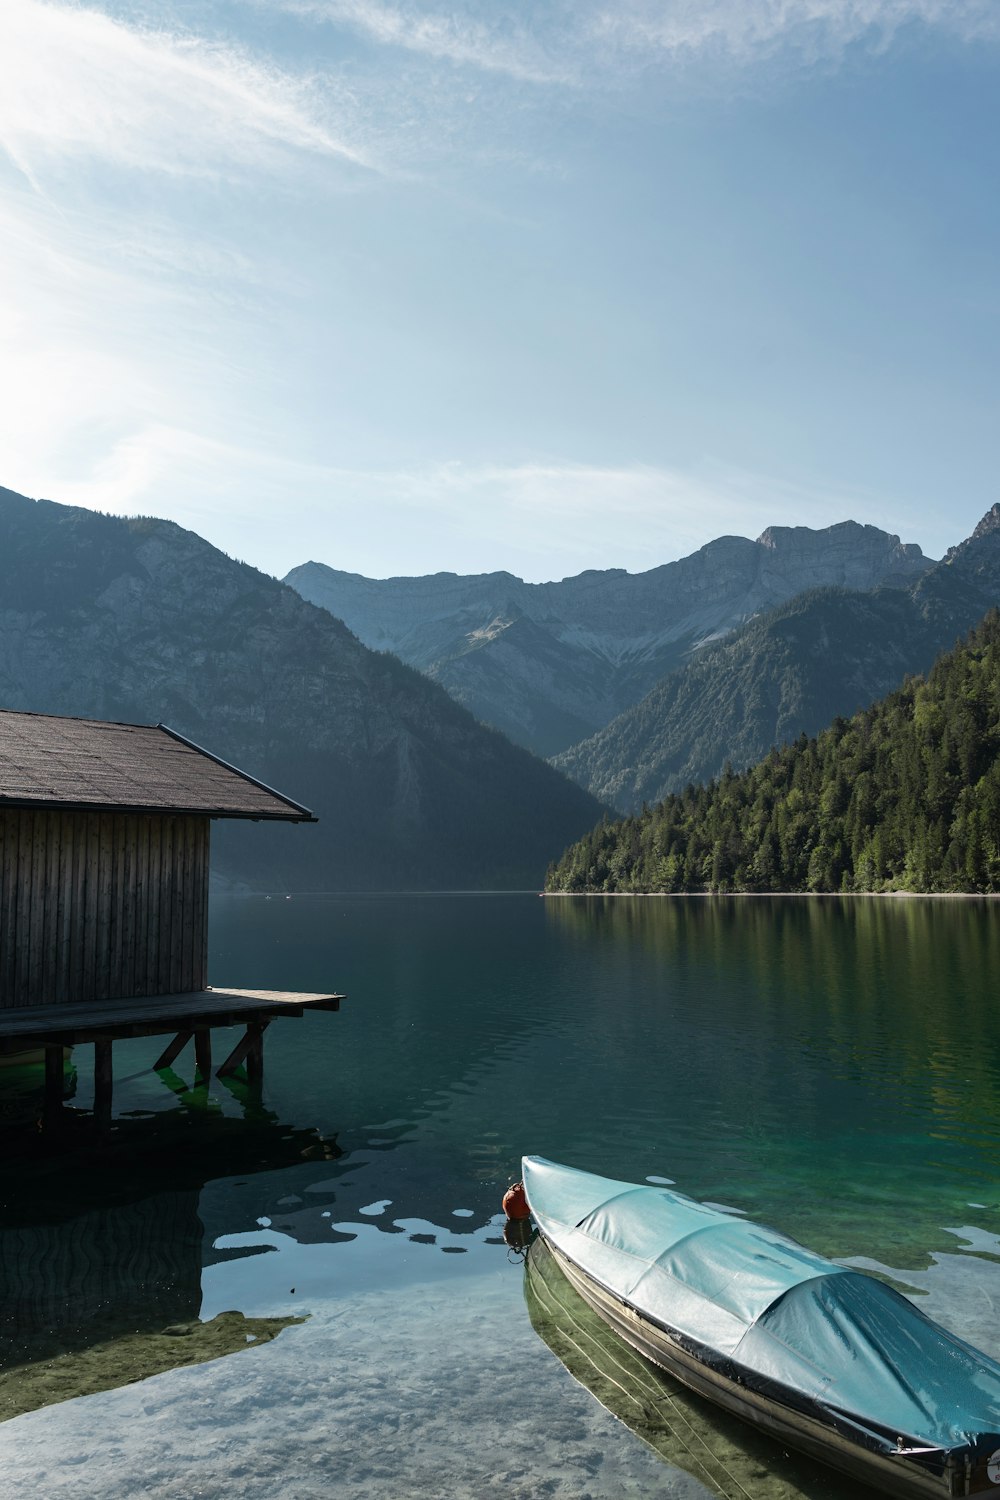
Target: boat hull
[[887, 1474]]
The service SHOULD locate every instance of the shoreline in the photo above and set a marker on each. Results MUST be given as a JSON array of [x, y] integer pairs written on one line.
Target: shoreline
[[786, 895]]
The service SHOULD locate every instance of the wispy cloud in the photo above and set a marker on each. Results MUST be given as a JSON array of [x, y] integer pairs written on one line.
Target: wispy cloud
[[504, 44], [592, 40], [81, 85], [656, 32]]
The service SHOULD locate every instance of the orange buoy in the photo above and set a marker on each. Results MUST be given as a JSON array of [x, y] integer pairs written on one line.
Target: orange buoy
[[515, 1204]]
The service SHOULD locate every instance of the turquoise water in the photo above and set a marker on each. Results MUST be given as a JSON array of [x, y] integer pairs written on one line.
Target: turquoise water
[[831, 1066]]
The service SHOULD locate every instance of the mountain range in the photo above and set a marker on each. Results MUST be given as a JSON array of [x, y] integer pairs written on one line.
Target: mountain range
[[551, 663], [793, 670], [137, 619]]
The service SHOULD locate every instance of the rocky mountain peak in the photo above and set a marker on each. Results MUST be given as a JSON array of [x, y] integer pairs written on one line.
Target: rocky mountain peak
[[777, 537], [987, 531], [841, 534], [989, 523]]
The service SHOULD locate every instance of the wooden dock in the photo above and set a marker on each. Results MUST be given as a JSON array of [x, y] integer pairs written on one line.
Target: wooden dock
[[29, 1026], [190, 1016]]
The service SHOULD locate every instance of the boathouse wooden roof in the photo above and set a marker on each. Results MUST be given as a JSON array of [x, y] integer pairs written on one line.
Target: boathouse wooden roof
[[94, 765]]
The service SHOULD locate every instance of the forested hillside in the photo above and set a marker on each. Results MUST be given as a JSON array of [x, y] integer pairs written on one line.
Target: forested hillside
[[903, 796]]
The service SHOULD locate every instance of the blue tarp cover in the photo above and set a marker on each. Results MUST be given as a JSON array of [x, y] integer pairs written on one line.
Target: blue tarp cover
[[754, 1299]]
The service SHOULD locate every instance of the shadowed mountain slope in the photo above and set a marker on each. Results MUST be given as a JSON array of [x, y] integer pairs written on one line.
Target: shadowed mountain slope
[[140, 620], [548, 663], [793, 670]]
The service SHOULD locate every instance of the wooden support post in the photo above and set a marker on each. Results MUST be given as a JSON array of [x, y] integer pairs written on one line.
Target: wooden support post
[[235, 1057], [169, 1054], [252, 1040], [255, 1053], [54, 1074], [103, 1083], [203, 1053]]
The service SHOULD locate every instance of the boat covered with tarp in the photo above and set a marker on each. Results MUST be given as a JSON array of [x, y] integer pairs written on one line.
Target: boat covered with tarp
[[724, 1456], [822, 1356]]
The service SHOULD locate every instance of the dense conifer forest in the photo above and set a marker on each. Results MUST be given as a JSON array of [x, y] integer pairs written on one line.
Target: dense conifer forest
[[903, 796]]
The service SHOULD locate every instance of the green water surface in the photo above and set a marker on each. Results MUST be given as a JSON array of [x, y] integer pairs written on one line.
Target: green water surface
[[830, 1066]]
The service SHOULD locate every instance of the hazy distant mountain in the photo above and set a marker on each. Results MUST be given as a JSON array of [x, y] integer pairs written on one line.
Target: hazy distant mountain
[[138, 619], [823, 654], [548, 663]]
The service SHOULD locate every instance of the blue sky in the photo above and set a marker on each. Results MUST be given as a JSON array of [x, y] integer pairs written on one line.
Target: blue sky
[[406, 287]]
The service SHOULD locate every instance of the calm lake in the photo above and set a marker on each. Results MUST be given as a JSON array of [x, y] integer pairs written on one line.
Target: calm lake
[[830, 1066]]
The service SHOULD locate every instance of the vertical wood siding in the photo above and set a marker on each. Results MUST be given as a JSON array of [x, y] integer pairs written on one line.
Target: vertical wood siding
[[97, 906]]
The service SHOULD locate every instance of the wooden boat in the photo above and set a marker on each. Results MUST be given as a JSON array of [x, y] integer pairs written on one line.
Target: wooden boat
[[827, 1359], [728, 1458]]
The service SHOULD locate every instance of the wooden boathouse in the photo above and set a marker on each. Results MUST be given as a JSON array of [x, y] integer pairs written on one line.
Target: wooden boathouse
[[104, 879]]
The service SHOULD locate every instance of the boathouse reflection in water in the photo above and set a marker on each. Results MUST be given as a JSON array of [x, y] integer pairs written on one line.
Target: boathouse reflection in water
[[102, 1239]]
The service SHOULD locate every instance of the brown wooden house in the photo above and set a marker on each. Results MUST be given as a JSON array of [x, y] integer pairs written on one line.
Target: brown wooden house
[[104, 871]]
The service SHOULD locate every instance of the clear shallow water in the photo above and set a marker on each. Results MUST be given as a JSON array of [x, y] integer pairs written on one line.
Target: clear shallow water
[[830, 1066]]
